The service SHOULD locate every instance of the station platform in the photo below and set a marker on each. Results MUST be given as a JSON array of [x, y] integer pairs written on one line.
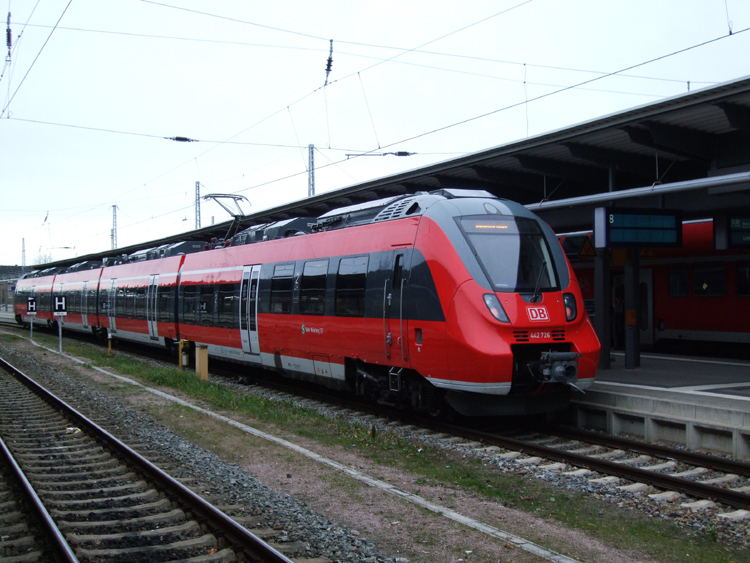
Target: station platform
[[701, 403]]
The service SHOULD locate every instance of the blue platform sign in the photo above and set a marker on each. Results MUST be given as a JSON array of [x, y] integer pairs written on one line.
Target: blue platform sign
[[616, 227]]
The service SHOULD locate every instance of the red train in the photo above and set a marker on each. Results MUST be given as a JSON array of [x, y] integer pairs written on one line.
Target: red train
[[452, 297], [694, 294]]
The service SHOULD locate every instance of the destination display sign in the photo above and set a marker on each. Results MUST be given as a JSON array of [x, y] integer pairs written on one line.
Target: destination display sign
[[731, 232], [637, 228], [739, 232]]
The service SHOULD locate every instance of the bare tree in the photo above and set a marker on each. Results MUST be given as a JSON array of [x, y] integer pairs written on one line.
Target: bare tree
[[42, 259]]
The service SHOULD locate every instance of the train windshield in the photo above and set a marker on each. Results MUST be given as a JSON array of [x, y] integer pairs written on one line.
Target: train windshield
[[513, 253]]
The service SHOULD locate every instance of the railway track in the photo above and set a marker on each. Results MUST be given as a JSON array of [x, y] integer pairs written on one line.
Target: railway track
[[108, 503], [575, 452], [580, 453]]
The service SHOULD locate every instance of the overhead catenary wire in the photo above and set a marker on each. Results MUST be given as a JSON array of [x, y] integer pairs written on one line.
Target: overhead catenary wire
[[179, 139], [526, 101], [729, 22], [301, 151], [229, 140], [5, 108], [15, 49], [329, 64], [376, 46], [367, 104], [661, 57]]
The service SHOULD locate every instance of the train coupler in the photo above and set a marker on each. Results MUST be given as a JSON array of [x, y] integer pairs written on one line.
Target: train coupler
[[559, 367]]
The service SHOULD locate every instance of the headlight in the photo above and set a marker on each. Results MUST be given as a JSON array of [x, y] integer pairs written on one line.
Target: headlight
[[571, 309], [493, 304]]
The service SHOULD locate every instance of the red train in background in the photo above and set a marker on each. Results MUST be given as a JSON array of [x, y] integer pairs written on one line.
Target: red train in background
[[695, 294], [433, 299]]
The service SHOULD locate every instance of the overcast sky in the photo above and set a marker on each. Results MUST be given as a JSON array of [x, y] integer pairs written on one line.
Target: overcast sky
[[93, 90]]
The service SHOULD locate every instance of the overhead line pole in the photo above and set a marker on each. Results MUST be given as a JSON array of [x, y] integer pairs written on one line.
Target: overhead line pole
[[311, 172], [114, 227], [197, 205]]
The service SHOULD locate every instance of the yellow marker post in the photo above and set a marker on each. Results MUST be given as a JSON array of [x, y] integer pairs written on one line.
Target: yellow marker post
[[109, 342], [201, 362], [182, 354]]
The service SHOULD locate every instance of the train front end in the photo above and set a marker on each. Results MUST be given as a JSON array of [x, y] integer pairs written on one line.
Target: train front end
[[518, 338]]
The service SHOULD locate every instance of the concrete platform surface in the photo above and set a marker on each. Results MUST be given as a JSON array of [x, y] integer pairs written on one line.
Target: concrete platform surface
[[702, 403]]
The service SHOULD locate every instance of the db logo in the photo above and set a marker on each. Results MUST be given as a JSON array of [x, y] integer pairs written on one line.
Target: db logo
[[537, 314]]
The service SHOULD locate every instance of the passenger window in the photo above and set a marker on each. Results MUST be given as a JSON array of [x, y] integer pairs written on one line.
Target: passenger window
[[140, 303], [313, 288], [206, 305], [228, 303], [120, 303], [678, 281], [743, 279], [188, 304], [166, 305], [281, 288], [351, 283], [709, 280]]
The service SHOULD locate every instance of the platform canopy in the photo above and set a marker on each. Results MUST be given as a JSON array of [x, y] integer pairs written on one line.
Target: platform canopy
[[689, 152]]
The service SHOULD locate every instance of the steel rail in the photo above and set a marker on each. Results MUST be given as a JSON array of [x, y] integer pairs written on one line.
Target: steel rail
[[693, 458], [54, 535], [220, 522], [691, 488]]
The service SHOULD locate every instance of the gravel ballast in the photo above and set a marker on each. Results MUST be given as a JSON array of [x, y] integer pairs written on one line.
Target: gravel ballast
[[340, 534]]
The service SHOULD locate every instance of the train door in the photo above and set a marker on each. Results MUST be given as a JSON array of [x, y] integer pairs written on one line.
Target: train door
[[111, 306], [84, 305], [646, 297], [249, 309], [153, 286], [394, 321]]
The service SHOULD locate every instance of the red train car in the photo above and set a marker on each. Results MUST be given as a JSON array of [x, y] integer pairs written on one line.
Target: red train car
[[451, 298], [690, 294]]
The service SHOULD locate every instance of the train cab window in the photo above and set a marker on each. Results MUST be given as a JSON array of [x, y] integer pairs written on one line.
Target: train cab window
[[351, 283], [709, 280], [313, 288], [678, 281], [281, 288], [512, 251], [743, 279]]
